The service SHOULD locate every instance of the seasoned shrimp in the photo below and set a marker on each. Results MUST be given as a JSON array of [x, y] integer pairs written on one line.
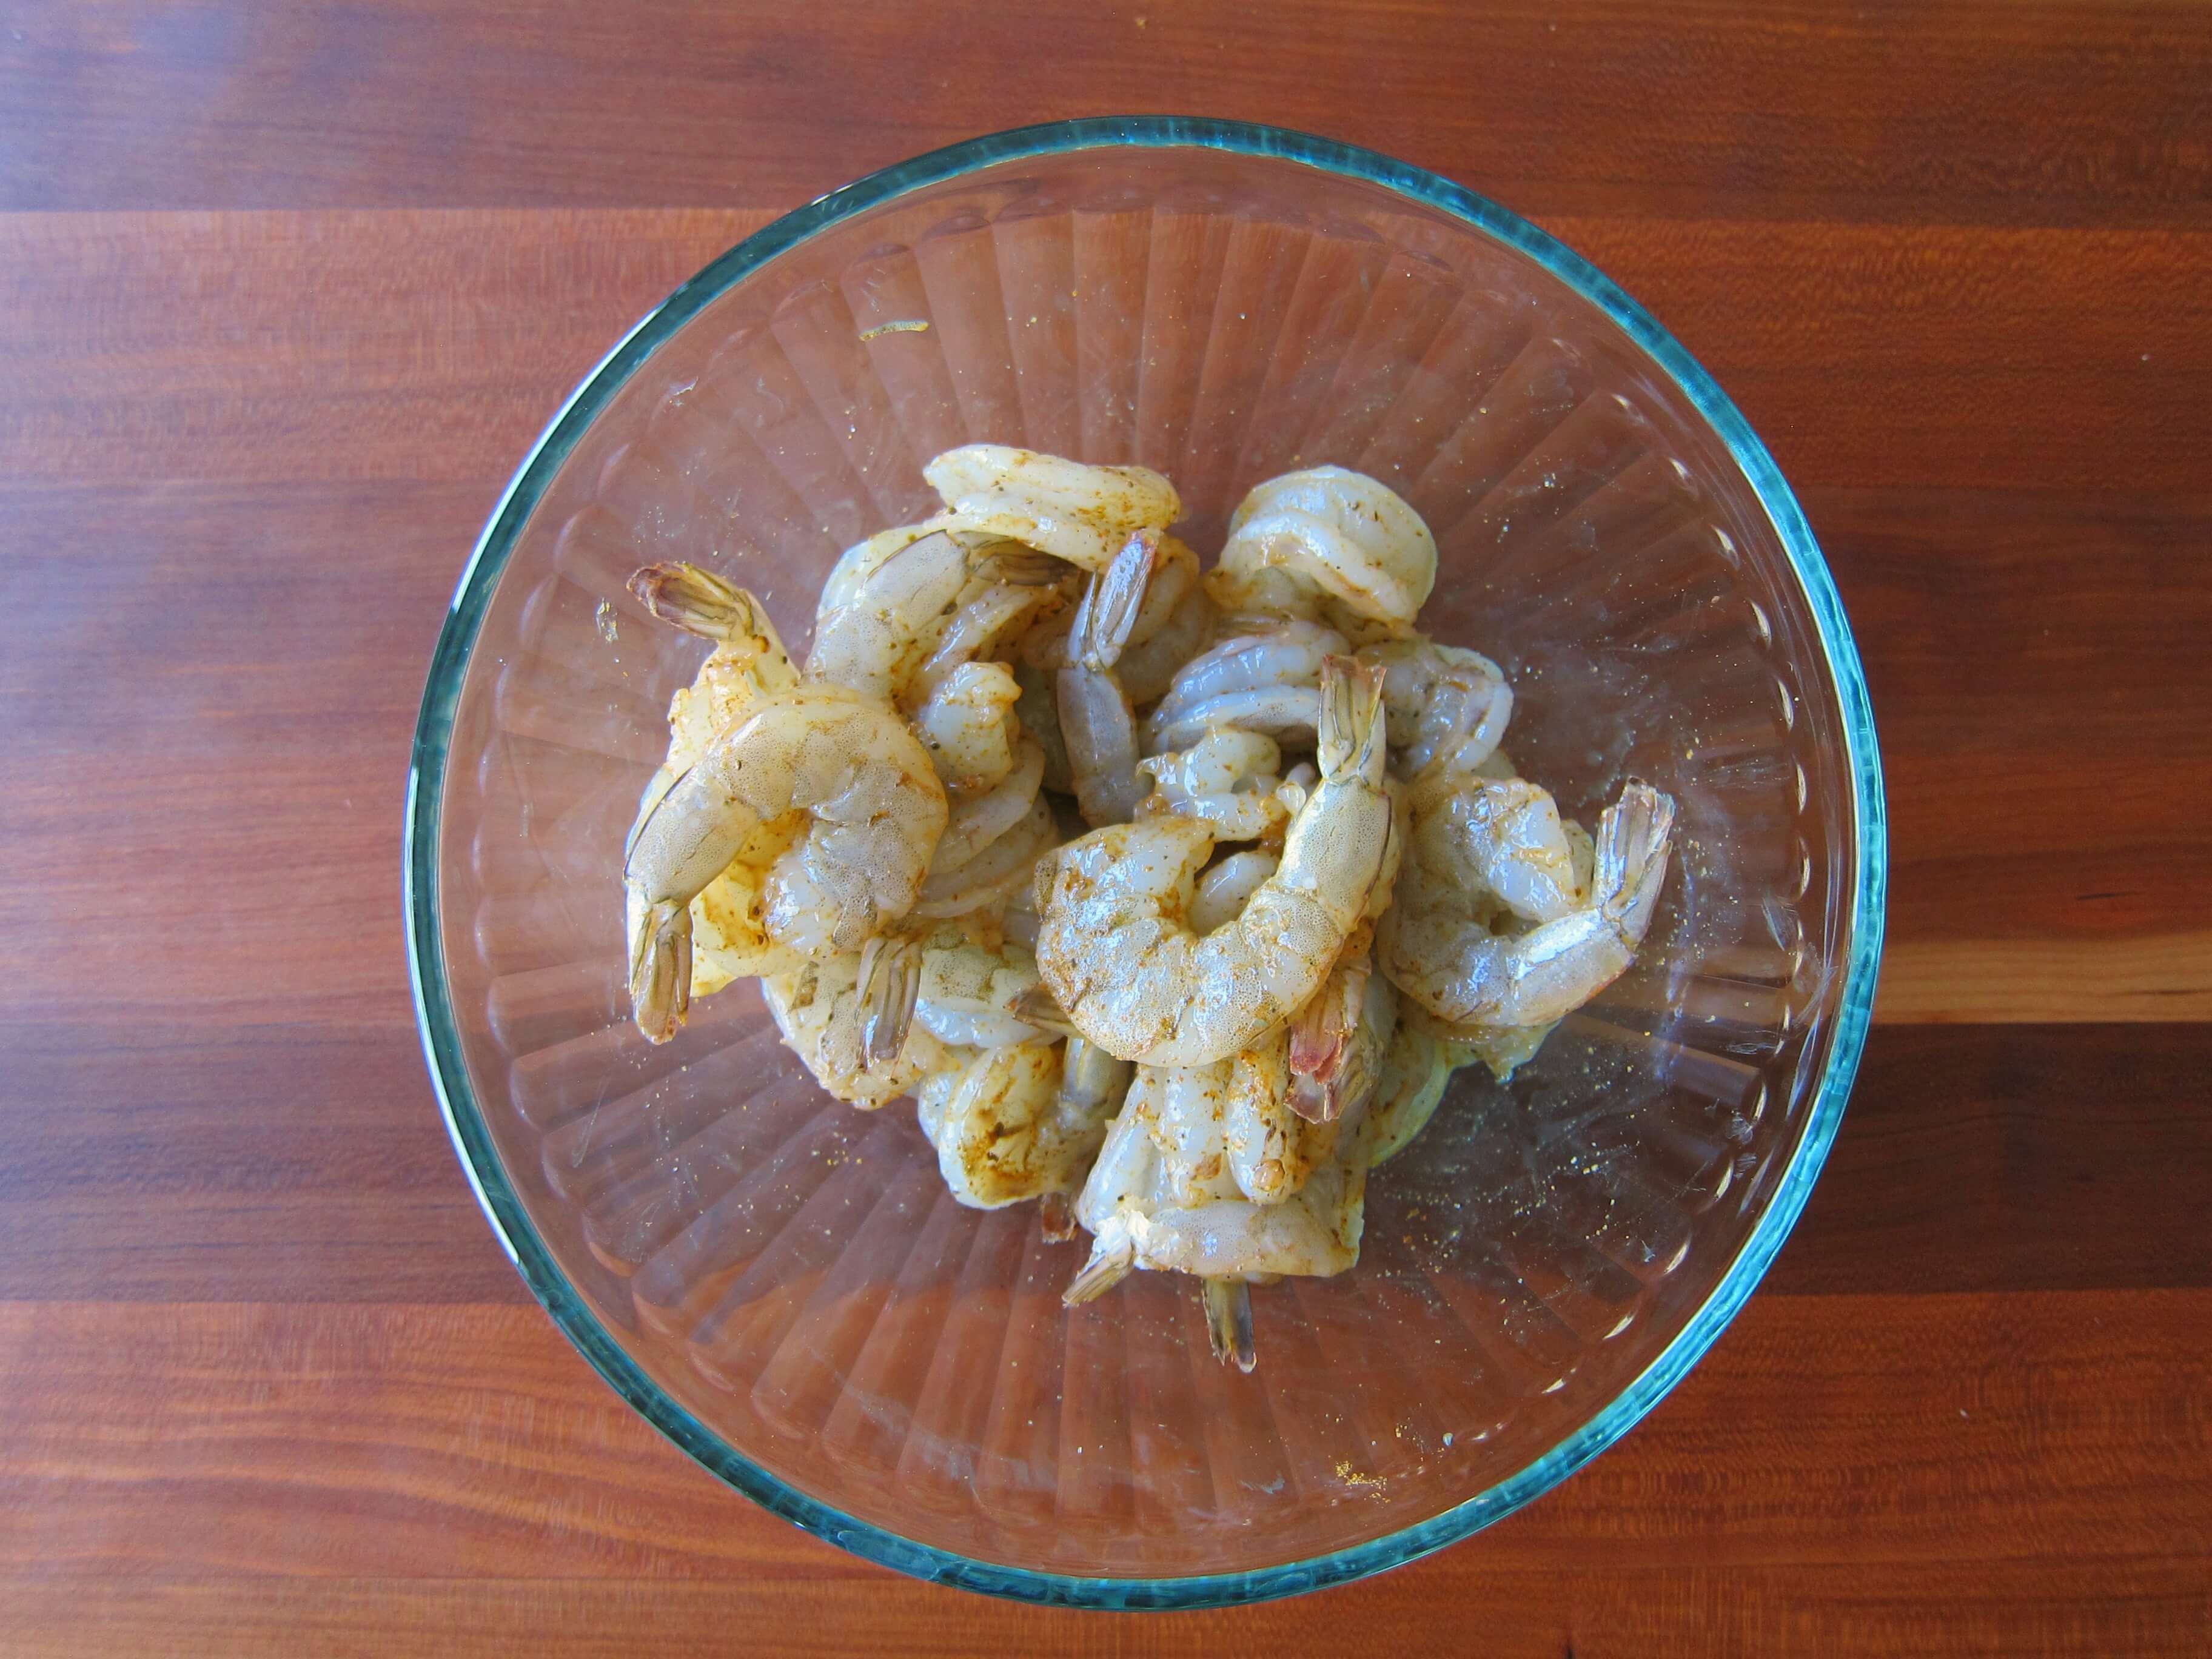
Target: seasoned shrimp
[[1079, 513], [1441, 945], [1002, 869], [729, 931], [1229, 778], [1115, 948], [1148, 1204], [1267, 682], [1173, 627], [1447, 708], [1096, 721], [748, 662], [1007, 1126], [1337, 1040], [1328, 545], [968, 995], [903, 622], [850, 1018], [1410, 1082], [864, 810]]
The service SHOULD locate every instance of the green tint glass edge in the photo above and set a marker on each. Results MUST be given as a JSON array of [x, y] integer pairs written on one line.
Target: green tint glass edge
[[440, 1038]]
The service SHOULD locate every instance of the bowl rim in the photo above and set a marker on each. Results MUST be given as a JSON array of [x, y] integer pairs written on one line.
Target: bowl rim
[[439, 1030]]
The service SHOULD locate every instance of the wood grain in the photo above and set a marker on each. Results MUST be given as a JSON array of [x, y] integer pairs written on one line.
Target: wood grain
[[2047, 113], [451, 335], [285, 293], [472, 1442]]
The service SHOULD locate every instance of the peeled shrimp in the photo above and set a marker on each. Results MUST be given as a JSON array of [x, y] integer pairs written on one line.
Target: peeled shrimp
[[1079, 513], [1328, 545], [966, 994], [1229, 778], [1150, 1206], [1443, 946], [1263, 681], [1447, 708], [873, 809], [1173, 627], [730, 939], [1115, 948], [1337, 1040], [1007, 1126], [850, 1018]]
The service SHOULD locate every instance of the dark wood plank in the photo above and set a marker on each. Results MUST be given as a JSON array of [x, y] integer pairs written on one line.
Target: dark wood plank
[[306, 1162], [400, 1441], [2091, 1607], [1996, 1158], [2067, 113], [1867, 356]]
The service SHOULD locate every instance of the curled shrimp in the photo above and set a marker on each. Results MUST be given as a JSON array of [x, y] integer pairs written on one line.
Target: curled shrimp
[[864, 808], [1150, 1203], [749, 664], [1018, 1122], [1230, 778], [1337, 1040], [1116, 950], [1173, 626], [1328, 545], [1447, 708], [1446, 947], [1079, 513], [1267, 681], [1096, 722], [849, 1018]]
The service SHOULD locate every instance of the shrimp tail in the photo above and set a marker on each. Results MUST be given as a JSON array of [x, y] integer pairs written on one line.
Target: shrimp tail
[[890, 986], [1109, 1264], [1351, 740], [1112, 602], [660, 967], [699, 602], [1632, 845], [1229, 1320]]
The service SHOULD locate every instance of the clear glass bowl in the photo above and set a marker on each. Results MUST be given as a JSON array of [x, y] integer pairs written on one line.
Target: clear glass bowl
[[781, 1284]]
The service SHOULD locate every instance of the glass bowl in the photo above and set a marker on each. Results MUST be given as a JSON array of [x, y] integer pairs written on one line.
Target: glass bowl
[[781, 1284]]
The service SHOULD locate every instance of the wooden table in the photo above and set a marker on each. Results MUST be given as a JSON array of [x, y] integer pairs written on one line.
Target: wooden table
[[284, 292]]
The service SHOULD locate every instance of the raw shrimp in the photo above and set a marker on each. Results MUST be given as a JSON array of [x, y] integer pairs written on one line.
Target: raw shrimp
[[1225, 889], [748, 662], [888, 632], [1117, 951], [1447, 708], [1176, 622], [1337, 1040], [1079, 513], [1254, 682], [1096, 722], [730, 939], [994, 874], [1229, 778], [968, 995], [850, 1018], [1148, 1204], [1416, 1067], [1441, 946], [1328, 545], [1007, 1126], [864, 810], [962, 707]]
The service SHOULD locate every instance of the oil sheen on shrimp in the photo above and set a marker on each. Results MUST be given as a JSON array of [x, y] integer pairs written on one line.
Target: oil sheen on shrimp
[[1328, 545], [1115, 946], [1452, 945], [864, 808], [1076, 512]]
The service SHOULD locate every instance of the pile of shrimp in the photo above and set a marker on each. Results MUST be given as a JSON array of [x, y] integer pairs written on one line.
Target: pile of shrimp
[[1172, 898]]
